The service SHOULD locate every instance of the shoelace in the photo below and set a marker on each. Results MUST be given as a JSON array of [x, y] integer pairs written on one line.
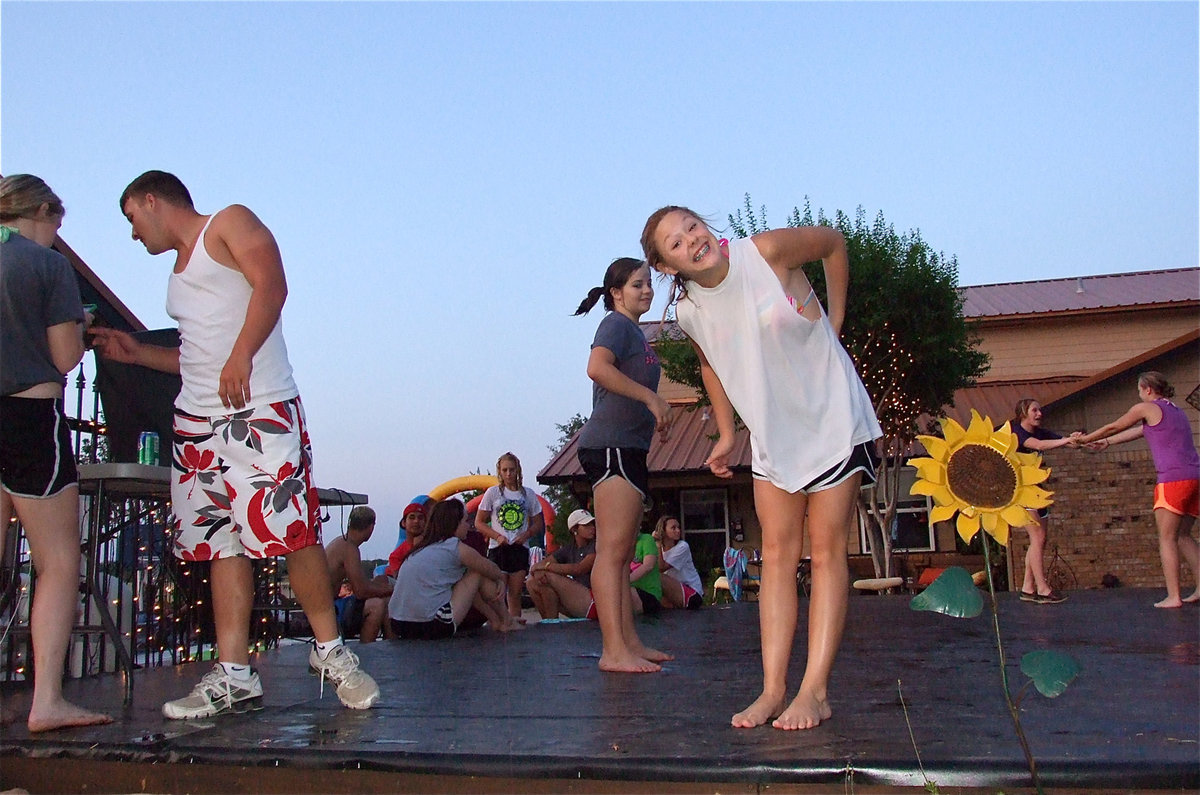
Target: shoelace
[[213, 682], [345, 660]]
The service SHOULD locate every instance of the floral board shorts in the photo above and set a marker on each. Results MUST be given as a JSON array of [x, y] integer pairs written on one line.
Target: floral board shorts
[[241, 484]]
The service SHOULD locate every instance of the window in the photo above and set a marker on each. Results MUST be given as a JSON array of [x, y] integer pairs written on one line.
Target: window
[[911, 530], [704, 516]]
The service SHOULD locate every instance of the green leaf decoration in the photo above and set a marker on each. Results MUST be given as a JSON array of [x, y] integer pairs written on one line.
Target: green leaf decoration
[[1051, 671], [952, 593]]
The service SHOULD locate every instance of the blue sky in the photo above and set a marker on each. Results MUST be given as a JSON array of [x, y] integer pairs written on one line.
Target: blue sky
[[447, 180]]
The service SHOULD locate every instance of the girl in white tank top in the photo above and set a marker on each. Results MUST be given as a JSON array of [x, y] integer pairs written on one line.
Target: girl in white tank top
[[770, 351]]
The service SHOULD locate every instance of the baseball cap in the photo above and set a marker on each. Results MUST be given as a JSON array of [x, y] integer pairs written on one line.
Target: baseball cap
[[579, 517], [416, 506]]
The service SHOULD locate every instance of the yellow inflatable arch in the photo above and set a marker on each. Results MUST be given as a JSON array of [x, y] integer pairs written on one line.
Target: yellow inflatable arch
[[466, 483]]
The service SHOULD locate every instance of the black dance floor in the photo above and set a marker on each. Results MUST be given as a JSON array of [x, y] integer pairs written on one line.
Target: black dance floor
[[530, 711]]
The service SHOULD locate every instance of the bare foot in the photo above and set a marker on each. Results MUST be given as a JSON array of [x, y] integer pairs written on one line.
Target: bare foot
[[653, 655], [805, 712], [628, 664], [1169, 602], [762, 710], [1195, 597], [64, 715]]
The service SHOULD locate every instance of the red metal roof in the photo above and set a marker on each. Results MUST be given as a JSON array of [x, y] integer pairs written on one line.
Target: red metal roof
[[685, 449], [998, 399], [1082, 293]]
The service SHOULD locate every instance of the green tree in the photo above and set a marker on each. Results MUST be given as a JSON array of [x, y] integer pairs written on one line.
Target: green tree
[[560, 495], [904, 329]]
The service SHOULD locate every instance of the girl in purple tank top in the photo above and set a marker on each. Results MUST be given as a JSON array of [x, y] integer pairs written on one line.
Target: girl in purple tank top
[[1177, 493]]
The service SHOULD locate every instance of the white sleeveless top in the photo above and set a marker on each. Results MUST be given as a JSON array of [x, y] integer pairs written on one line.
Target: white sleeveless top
[[790, 379], [209, 302]]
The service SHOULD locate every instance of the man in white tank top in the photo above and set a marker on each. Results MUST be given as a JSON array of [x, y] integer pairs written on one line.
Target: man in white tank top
[[238, 415]]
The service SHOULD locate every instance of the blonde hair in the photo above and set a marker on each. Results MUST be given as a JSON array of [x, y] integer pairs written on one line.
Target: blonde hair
[[660, 528], [517, 462], [22, 195]]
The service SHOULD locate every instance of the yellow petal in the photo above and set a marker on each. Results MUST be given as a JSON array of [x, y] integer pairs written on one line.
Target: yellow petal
[[1030, 459], [937, 448], [952, 431], [967, 526], [941, 513], [941, 495], [1033, 497], [1016, 516], [980, 430], [988, 519], [1004, 441], [930, 469], [1032, 475], [1000, 533]]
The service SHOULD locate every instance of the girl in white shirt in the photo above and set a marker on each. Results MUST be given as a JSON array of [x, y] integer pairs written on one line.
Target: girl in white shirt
[[681, 585], [769, 351]]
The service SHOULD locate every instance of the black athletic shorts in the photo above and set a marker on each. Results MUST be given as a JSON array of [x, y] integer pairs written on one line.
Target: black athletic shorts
[[511, 558], [36, 458], [602, 463], [862, 459], [650, 604], [440, 626]]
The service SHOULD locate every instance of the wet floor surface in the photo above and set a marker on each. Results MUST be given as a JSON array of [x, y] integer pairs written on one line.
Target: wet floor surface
[[533, 704]]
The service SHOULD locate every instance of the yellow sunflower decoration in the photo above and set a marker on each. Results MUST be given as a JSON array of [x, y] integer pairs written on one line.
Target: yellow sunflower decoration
[[978, 474]]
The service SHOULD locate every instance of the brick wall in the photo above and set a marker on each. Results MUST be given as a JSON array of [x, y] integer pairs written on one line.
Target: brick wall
[[1102, 519]]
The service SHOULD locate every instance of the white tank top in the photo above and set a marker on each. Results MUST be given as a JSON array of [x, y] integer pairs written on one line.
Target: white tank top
[[209, 302], [789, 378]]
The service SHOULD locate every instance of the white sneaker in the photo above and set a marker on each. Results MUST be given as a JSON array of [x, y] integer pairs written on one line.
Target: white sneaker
[[217, 692], [355, 687]]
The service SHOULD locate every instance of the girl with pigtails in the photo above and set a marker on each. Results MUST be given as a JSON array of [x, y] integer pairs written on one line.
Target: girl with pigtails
[[613, 444]]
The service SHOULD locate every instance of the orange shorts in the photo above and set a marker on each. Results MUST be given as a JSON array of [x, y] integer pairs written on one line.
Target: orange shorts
[[1178, 496]]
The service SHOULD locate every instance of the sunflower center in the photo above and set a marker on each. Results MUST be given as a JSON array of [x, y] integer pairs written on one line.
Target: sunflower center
[[980, 476]]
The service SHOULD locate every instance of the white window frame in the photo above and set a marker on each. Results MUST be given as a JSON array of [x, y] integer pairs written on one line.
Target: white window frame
[[704, 496], [906, 504]]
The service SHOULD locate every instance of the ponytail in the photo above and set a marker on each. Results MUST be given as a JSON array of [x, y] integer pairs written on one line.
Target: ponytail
[[585, 306]]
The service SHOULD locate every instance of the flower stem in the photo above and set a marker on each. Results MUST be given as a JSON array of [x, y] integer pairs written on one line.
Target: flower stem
[[1012, 708]]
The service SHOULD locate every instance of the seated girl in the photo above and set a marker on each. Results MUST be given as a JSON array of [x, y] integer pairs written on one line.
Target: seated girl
[[443, 578], [681, 586]]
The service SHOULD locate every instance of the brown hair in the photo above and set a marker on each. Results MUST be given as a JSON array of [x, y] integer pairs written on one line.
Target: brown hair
[[1157, 383], [1022, 409], [616, 277], [444, 519], [22, 195], [167, 187], [654, 256]]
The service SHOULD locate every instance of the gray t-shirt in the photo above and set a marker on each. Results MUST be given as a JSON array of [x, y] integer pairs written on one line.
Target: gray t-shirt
[[569, 554], [424, 582], [37, 290], [618, 421]]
